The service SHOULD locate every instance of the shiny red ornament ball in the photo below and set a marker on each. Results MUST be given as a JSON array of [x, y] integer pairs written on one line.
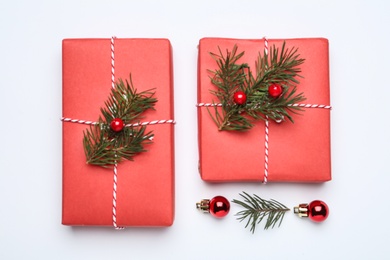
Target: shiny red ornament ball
[[117, 125], [239, 97], [275, 90], [219, 206], [318, 211]]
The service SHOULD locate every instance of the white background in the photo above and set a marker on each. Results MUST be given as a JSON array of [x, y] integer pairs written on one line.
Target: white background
[[30, 133]]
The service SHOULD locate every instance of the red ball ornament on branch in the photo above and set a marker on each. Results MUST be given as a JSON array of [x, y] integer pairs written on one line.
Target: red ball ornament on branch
[[117, 125], [239, 97], [275, 90], [218, 206]]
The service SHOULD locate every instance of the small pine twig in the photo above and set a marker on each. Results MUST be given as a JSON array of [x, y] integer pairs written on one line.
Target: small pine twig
[[126, 103], [257, 209], [102, 150]]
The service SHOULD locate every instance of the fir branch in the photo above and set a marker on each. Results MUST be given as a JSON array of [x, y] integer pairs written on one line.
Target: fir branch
[[105, 147], [102, 150], [96, 148], [124, 102], [280, 67], [256, 209]]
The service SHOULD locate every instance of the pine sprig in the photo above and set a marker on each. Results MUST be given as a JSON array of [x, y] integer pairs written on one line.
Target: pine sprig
[[102, 150], [124, 102], [278, 67], [105, 147], [256, 209]]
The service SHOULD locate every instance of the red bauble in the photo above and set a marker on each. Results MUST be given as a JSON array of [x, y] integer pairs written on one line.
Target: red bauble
[[275, 90], [318, 211], [117, 125], [239, 97], [219, 206]]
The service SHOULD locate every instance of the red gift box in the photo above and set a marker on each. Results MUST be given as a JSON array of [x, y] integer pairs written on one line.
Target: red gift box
[[297, 152], [143, 192]]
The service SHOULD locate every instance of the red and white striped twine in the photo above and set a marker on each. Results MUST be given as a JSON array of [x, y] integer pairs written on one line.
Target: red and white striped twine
[[153, 122], [311, 106], [291, 105], [113, 62], [266, 144], [114, 198], [265, 178], [85, 122], [209, 105], [78, 121], [266, 45], [114, 188]]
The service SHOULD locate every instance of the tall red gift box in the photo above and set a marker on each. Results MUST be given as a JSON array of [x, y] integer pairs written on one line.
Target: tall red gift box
[[297, 152], [143, 192]]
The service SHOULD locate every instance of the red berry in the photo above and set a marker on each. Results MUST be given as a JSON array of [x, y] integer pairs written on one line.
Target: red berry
[[117, 125], [239, 98], [275, 90]]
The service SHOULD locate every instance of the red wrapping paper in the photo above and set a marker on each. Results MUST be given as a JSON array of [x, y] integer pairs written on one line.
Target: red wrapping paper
[[298, 152], [145, 186]]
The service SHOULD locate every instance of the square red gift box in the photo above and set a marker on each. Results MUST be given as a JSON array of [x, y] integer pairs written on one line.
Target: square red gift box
[[135, 193], [270, 151]]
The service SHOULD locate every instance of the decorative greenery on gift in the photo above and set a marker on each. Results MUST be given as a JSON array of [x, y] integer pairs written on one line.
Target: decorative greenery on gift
[[113, 139], [246, 96]]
